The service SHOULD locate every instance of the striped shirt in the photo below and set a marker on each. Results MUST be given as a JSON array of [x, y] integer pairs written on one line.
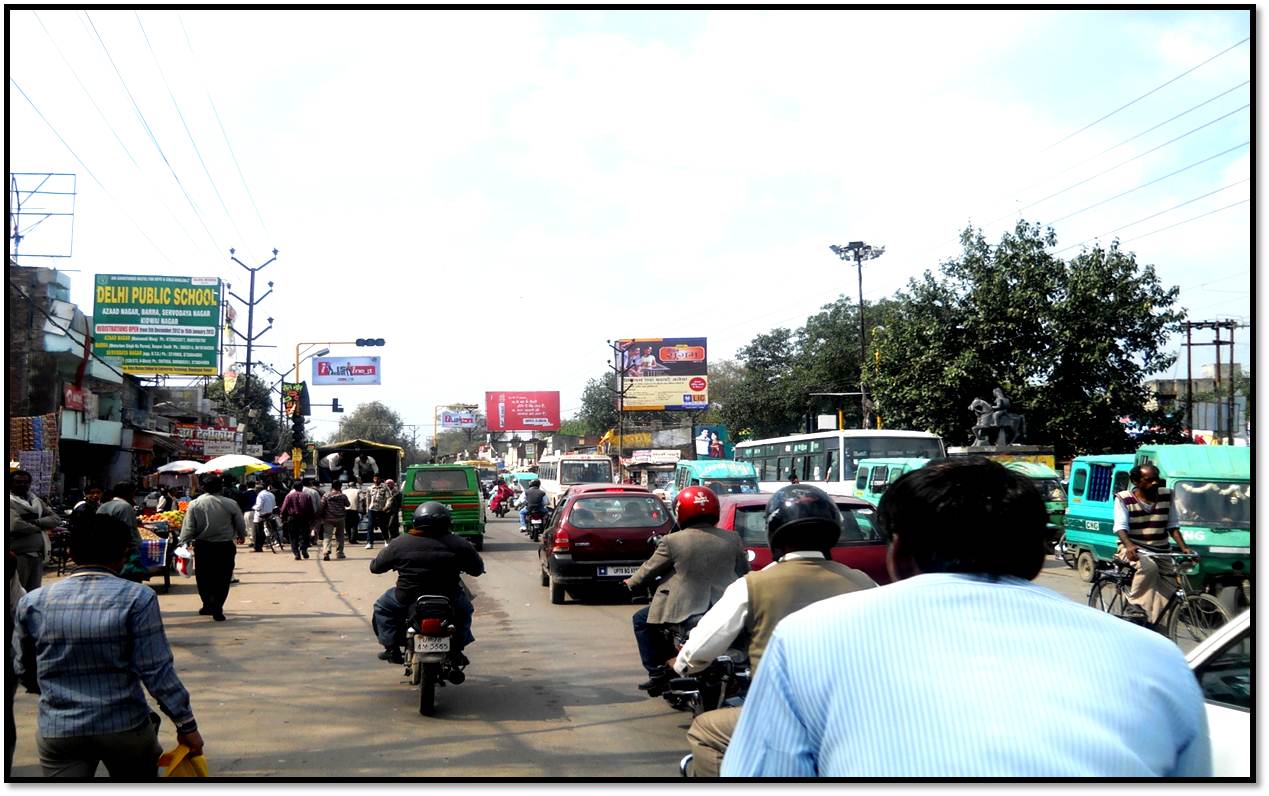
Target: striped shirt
[[1146, 524], [948, 675], [91, 641]]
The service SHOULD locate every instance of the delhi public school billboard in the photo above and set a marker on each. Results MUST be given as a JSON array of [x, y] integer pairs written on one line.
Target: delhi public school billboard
[[346, 370], [158, 325], [664, 373], [522, 411]]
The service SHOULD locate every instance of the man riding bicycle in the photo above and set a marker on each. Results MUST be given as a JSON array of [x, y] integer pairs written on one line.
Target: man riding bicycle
[[1144, 518]]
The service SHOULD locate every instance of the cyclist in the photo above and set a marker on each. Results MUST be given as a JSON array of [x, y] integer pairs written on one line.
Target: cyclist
[[1145, 517]]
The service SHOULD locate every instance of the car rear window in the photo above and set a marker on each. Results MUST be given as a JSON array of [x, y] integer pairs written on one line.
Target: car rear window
[[858, 526], [618, 511], [440, 481]]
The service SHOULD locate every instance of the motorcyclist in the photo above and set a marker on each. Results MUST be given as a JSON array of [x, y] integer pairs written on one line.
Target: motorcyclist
[[704, 560], [803, 525], [534, 500], [428, 559], [501, 494]]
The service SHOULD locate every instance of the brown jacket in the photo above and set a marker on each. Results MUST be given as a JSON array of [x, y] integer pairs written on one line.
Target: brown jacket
[[704, 560]]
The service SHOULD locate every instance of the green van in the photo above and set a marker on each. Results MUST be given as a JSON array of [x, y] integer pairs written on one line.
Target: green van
[[874, 475], [1047, 480], [457, 486], [724, 476], [1211, 485]]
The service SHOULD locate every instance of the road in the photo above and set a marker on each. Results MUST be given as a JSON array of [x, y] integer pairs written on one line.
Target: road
[[290, 685]]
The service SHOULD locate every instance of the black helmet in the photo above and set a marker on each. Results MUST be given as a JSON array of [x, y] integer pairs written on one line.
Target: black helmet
[[804, 512], [433, 516]]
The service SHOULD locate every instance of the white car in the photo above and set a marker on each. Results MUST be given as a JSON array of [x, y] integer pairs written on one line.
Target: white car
[[1222, 664]]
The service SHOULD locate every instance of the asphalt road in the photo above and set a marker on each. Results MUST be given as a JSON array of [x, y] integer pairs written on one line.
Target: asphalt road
[[290, 685]]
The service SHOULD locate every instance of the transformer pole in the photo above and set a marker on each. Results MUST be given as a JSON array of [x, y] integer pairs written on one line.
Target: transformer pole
[[250, 303]]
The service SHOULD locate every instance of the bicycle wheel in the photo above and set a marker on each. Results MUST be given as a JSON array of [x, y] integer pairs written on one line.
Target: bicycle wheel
[[1195, 618], [1105, 595]]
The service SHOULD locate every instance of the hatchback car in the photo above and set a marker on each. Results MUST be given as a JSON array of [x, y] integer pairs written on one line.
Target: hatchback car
[[860, 546], [600, 536]]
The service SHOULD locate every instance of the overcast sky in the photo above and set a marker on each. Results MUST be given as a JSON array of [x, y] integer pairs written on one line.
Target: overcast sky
[[496, 193]]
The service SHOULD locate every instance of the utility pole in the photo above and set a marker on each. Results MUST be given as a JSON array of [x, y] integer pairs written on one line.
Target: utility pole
[[618, 368], [860, 251], [250, 303], [1227, 406]]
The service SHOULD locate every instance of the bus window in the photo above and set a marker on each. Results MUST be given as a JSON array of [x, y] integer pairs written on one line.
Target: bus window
[[782, 469], [815, 467], [799, 467], [832, 465]]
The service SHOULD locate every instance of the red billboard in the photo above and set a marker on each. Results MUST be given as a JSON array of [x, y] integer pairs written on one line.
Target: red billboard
[[522, 411]]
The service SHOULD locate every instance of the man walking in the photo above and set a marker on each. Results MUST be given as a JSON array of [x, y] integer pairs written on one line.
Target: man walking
[[29, 521], [352, 516], [297, 518], [213, 523], [122, 506], [393, 511], [87, 644], [334, 509], [377, 505], [950, 666], [87, 507], [310, 489], [264, 508]]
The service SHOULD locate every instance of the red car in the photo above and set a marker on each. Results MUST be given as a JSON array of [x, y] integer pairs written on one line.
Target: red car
[[600, 534], [860, 546]]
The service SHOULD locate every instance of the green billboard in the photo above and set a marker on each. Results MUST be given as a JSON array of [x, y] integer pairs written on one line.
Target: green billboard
[[158, 325]]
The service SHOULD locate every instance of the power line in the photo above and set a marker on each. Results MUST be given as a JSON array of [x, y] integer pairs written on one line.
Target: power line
[[1151, 182], [81, 162], [1143, 96], [1188, 220], [188, 132], [223, 132], [150, 132], [69, 333]]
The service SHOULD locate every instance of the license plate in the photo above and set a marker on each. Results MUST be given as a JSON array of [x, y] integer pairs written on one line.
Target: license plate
[[615, 572], [431, 644]]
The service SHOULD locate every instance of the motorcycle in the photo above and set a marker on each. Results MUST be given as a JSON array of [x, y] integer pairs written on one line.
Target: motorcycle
[[500, 506], [430, 660], [537, 524], [726, 678]]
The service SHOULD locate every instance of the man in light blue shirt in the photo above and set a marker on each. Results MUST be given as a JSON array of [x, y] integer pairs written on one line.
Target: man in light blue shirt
[[963, 667]]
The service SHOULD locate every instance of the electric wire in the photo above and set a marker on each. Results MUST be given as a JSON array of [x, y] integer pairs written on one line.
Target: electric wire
[[69, 333], [90, 173], [185, 124], [1188, 220], [1143, 96], [223, 132], [153, 138]]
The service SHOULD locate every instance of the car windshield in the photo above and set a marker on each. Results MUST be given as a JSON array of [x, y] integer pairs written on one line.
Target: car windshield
[[733, 486], [440, 481], [619, 511], [585, 472], [1214, 504], [1051, 489], [857, 525]]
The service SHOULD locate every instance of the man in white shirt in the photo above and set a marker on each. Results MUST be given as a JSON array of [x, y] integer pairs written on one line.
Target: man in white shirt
[[365, 468], [265, 507], [803, 525]]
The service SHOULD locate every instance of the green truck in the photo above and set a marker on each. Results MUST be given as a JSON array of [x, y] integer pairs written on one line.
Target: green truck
[[1211, 485], [457, 486]]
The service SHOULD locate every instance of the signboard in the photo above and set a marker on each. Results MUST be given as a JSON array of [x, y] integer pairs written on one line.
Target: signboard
[[655, 457], [208, 441], [712, 442], [664, 373], [73, 398], [295, 399], [515, 411], [458, 419], [346, 370], [158, 325], [254, 450]]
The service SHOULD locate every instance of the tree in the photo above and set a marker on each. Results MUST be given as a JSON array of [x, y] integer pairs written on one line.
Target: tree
[[250, 395], [376, 422], [599, 407], [765, 400]]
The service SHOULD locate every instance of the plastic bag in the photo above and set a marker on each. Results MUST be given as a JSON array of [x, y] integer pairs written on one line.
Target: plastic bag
[[183, 560], [179, 764]]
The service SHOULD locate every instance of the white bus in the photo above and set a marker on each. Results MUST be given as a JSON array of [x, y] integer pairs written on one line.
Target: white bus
[[829, 459], [559, 471]]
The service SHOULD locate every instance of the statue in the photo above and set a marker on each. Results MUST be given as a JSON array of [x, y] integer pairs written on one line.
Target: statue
[[996, 425]]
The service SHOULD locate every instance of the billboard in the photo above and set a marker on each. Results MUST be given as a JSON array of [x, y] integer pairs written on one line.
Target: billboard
[[158, 325], [295, 399], [346, 370], [664, 373], [458, 419], [712, 442], [521, 411], [208, 441]]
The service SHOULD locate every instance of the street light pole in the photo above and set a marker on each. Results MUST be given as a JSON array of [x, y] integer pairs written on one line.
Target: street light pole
[[860, 251]]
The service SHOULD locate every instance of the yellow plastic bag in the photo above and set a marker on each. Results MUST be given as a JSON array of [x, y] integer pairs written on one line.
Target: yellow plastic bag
[[179, 764]]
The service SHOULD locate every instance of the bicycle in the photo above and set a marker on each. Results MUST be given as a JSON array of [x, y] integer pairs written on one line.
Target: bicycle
[[1190, 615]]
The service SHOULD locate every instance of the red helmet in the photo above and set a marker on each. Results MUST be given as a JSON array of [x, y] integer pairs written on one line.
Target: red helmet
[[697, 505]]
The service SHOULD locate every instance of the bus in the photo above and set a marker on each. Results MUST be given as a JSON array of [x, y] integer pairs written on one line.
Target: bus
[[829, 459], [559, 471]]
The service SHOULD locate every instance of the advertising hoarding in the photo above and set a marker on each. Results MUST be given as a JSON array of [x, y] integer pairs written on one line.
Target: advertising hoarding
[[158, 325], [346, 370], [521, 411], [295, 399], [664, 373], [712, 442], [451, 419], [208, 441]]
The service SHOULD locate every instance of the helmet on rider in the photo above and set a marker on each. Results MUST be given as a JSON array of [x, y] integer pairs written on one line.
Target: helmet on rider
[[433, 516], [535, 484], [802, 517], [696, 505]]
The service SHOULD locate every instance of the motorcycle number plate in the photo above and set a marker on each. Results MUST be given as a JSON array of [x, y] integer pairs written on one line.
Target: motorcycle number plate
[[616, 572], [431, 644]]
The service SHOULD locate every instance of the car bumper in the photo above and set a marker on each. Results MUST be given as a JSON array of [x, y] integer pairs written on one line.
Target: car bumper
[[565, 569]]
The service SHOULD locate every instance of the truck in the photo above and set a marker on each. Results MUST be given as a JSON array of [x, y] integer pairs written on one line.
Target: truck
[[388, 457]]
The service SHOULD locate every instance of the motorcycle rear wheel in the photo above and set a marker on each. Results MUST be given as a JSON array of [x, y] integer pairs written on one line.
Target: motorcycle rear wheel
[[427, 689]]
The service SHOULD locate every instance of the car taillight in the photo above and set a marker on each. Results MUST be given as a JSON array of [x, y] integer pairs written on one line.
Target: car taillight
[[432, 627], [561, 543]]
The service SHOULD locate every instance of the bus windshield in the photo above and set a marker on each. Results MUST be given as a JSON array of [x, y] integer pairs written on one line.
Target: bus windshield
[[585, 472], [1213, 504], [860, 448]]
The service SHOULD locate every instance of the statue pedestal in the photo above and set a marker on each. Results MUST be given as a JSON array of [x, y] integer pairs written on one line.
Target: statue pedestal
[[1003, 453]]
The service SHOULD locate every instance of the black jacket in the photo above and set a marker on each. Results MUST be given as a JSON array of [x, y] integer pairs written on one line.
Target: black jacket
[[535, 497], [428, 564]]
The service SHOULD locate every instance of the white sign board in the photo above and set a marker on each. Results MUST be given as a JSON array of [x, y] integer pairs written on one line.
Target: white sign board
[[346, 370], [458, 419]]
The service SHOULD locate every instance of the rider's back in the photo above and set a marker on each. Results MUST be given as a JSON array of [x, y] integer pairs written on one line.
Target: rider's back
[[428, 563]]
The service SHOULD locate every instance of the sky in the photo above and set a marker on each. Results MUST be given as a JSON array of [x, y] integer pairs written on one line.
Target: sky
[[498, 193]]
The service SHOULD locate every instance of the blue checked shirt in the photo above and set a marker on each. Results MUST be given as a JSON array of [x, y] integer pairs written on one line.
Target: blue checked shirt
[[91, 641], [947, 675]]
